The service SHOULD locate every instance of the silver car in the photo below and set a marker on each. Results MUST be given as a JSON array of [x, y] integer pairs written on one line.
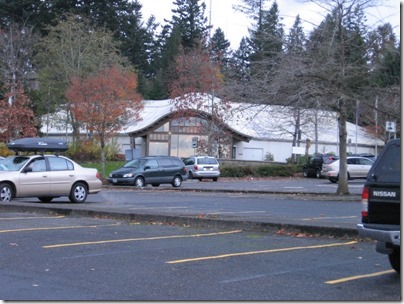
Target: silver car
[[357, 168], [46, 177], [202, 167]]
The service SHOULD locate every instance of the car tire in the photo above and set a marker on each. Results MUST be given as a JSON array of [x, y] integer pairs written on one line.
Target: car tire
[[306, 173], [333, 179], [6, 192], [190, 175], [215, 179], [177, 181], [394, 259], [155, 185], [200, 179], [78, 193], [139, 182], [318, 173], [45, 199]]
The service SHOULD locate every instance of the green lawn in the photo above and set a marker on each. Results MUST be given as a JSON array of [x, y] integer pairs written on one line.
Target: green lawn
[[109, 166]]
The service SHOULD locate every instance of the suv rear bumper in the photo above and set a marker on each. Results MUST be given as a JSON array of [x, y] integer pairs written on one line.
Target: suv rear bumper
[[382, 233]]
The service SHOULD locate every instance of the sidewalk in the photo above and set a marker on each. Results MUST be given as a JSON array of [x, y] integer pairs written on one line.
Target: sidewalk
[[222, 221]]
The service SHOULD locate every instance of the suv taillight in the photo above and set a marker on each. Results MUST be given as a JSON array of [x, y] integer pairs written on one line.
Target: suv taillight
[[365, 201], [195, 167]]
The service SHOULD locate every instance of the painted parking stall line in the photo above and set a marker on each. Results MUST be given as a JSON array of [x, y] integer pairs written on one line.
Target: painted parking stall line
[[142, 239], [228, 255]]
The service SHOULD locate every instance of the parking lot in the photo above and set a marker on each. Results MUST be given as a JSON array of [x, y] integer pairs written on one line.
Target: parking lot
[[53, 257]]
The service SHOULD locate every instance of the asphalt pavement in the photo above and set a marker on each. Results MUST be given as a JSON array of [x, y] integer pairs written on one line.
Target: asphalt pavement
[[276, 186]]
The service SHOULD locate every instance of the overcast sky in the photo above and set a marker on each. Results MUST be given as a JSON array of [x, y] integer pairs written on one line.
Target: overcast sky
[[235, 25]]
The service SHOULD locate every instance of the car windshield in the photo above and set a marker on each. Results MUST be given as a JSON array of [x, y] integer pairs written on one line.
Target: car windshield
[[133, 163], [13, 163]]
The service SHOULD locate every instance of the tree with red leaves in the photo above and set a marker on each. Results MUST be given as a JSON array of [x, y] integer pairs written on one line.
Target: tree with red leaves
[[103, 103], [16, 116], [198, 80]]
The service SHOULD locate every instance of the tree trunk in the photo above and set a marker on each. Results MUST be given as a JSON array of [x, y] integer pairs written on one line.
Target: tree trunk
[[343, 177]]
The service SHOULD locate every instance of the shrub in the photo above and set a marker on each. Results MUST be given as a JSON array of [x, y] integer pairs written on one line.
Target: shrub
[[269, 157], [267, 170], [90, 150], [4, 151]]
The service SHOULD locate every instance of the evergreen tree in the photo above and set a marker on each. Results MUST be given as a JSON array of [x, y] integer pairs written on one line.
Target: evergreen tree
[[267, 37], [296, 40], [189, 18], [240, 63], [219, 49]]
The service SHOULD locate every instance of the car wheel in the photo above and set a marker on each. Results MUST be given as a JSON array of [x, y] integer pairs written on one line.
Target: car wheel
[[394, 259], [6, 192], [306, 173], [45, 199], [155, 185], [215, 179], [200, 179], [190, 175], [177, 181], [139, 182], [333, 179], [78, 194], [318, 173]]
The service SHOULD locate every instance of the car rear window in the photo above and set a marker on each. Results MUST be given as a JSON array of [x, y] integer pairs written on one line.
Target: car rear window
[[60, 164], [329, 159], [206, 161]]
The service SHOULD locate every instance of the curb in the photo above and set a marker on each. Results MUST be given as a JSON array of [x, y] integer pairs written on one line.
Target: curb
[[195, 222]]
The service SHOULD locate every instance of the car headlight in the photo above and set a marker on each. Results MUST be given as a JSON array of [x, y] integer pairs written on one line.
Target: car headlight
[[128, 175]]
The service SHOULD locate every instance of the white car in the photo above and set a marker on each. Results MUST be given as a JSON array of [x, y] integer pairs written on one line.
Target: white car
[[45, 176], [202, 167], [357, 168]]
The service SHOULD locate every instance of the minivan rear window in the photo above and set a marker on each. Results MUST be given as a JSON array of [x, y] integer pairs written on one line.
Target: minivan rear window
[[206, 161]]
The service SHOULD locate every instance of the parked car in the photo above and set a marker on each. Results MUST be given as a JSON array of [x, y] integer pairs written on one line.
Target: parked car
[[367, 155], [381, 203], [315, 163], [357, 168], [202, 167], [154, 170], [45, 176]]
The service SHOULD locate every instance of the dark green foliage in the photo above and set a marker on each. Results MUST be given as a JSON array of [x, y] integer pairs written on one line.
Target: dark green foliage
[[267, 170], [189, 18]]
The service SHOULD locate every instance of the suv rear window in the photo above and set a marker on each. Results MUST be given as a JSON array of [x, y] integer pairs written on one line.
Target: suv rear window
[[389, 169]]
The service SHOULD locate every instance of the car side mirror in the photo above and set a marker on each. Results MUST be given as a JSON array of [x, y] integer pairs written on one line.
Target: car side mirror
[[147, 167], [27, 169]]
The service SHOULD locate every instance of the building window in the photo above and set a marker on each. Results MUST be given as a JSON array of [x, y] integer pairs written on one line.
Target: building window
[[158, 148]]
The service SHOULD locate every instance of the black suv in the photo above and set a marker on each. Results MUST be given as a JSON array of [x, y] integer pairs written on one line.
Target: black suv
[[381, 203], [315, 163], [154, 170]]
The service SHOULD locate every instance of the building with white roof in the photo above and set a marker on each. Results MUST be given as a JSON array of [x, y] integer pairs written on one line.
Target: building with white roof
[[247, 132]]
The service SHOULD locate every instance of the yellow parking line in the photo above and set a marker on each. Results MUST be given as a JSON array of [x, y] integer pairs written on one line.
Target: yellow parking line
[[30, 218], [55, 228], [329, 217], [360, 277], [222, 256], [141, 239]]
